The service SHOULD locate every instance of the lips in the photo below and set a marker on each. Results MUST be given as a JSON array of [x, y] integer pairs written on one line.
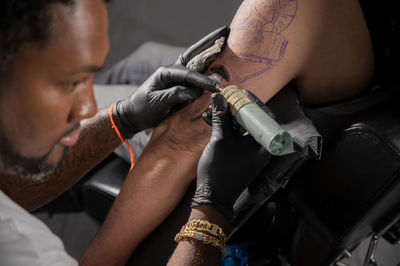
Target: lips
[[71, 139]]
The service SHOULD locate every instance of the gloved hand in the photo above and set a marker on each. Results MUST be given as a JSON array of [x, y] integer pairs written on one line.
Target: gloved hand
[[166, 88], [207, 115], [205, 43], [229, 162]]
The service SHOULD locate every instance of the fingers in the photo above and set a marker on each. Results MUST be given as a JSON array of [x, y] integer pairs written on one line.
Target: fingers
[[174, 96], [207, 116], [202, 44], [201, 81], [221, 117], [167, 77]]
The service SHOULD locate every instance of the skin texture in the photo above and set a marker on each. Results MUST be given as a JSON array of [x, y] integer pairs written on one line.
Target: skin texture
[[272, 42], [41, 107], [156, 185], [321, 46], [193, 252], [47, 93], [55, 96]]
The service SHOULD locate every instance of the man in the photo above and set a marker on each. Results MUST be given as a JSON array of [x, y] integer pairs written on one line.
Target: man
[[323, 47], [58, 80], [49, 51], [74, 165]]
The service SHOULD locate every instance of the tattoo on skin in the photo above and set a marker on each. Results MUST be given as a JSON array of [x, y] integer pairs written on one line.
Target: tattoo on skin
[[96, 142], [257, 37]]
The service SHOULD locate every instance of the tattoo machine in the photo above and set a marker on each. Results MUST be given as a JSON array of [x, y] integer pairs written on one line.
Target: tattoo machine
[[248, 114], [264, 129]]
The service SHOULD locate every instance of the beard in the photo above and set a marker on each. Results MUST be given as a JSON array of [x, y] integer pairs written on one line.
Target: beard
[[34, 168]]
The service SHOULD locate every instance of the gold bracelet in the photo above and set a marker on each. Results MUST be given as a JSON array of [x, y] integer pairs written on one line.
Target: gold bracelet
[[206, 226], [200, 236]]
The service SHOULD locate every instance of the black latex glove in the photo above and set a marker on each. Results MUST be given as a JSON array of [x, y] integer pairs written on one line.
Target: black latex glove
[[229, 163], [155, 98], [205, 43], [166, 88], [207, 115]]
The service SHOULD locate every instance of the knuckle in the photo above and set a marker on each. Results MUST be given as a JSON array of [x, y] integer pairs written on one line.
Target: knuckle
[[178, 89], [162, 69], [183, 58]]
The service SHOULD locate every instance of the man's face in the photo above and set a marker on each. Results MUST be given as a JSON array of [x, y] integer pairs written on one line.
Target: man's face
[[48, 90]]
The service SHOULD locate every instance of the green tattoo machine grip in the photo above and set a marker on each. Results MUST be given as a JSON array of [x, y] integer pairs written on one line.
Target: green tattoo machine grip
[[257, 122]]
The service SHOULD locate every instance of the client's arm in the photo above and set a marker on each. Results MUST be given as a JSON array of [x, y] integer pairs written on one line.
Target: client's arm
[[193, 252], [228, 164], [159, 180], [322, 46]]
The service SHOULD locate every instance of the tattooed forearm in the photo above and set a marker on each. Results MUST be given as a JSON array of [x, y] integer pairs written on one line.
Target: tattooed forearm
[[257, 38], [97, 141]]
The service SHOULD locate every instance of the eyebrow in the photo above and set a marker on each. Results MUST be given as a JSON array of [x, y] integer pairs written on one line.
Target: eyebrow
[[88, 69]]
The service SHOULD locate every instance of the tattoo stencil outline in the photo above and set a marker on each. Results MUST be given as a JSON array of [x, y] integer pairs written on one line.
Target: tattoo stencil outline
[[257, 38]]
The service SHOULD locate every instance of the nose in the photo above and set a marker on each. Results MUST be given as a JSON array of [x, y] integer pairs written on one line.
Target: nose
[[84, 105]]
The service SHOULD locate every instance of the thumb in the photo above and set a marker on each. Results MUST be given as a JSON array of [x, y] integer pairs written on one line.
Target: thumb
[[202, 45], [221, 117], [175, 95], [167, 77]]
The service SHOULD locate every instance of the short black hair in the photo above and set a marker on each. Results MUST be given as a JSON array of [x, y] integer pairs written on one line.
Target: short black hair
[[23, 21]]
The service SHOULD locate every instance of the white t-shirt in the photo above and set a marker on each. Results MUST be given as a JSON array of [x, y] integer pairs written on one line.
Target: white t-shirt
[[25, 240]]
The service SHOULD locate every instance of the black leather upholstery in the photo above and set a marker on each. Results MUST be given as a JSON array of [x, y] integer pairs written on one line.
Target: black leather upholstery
[[349, 193], [103, 186]]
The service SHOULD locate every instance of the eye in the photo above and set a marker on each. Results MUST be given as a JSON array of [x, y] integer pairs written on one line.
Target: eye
[[79, 82], [72, 85], [76, 83]]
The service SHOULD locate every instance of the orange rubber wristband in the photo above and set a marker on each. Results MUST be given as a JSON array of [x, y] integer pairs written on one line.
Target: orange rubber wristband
[[121, 138]]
